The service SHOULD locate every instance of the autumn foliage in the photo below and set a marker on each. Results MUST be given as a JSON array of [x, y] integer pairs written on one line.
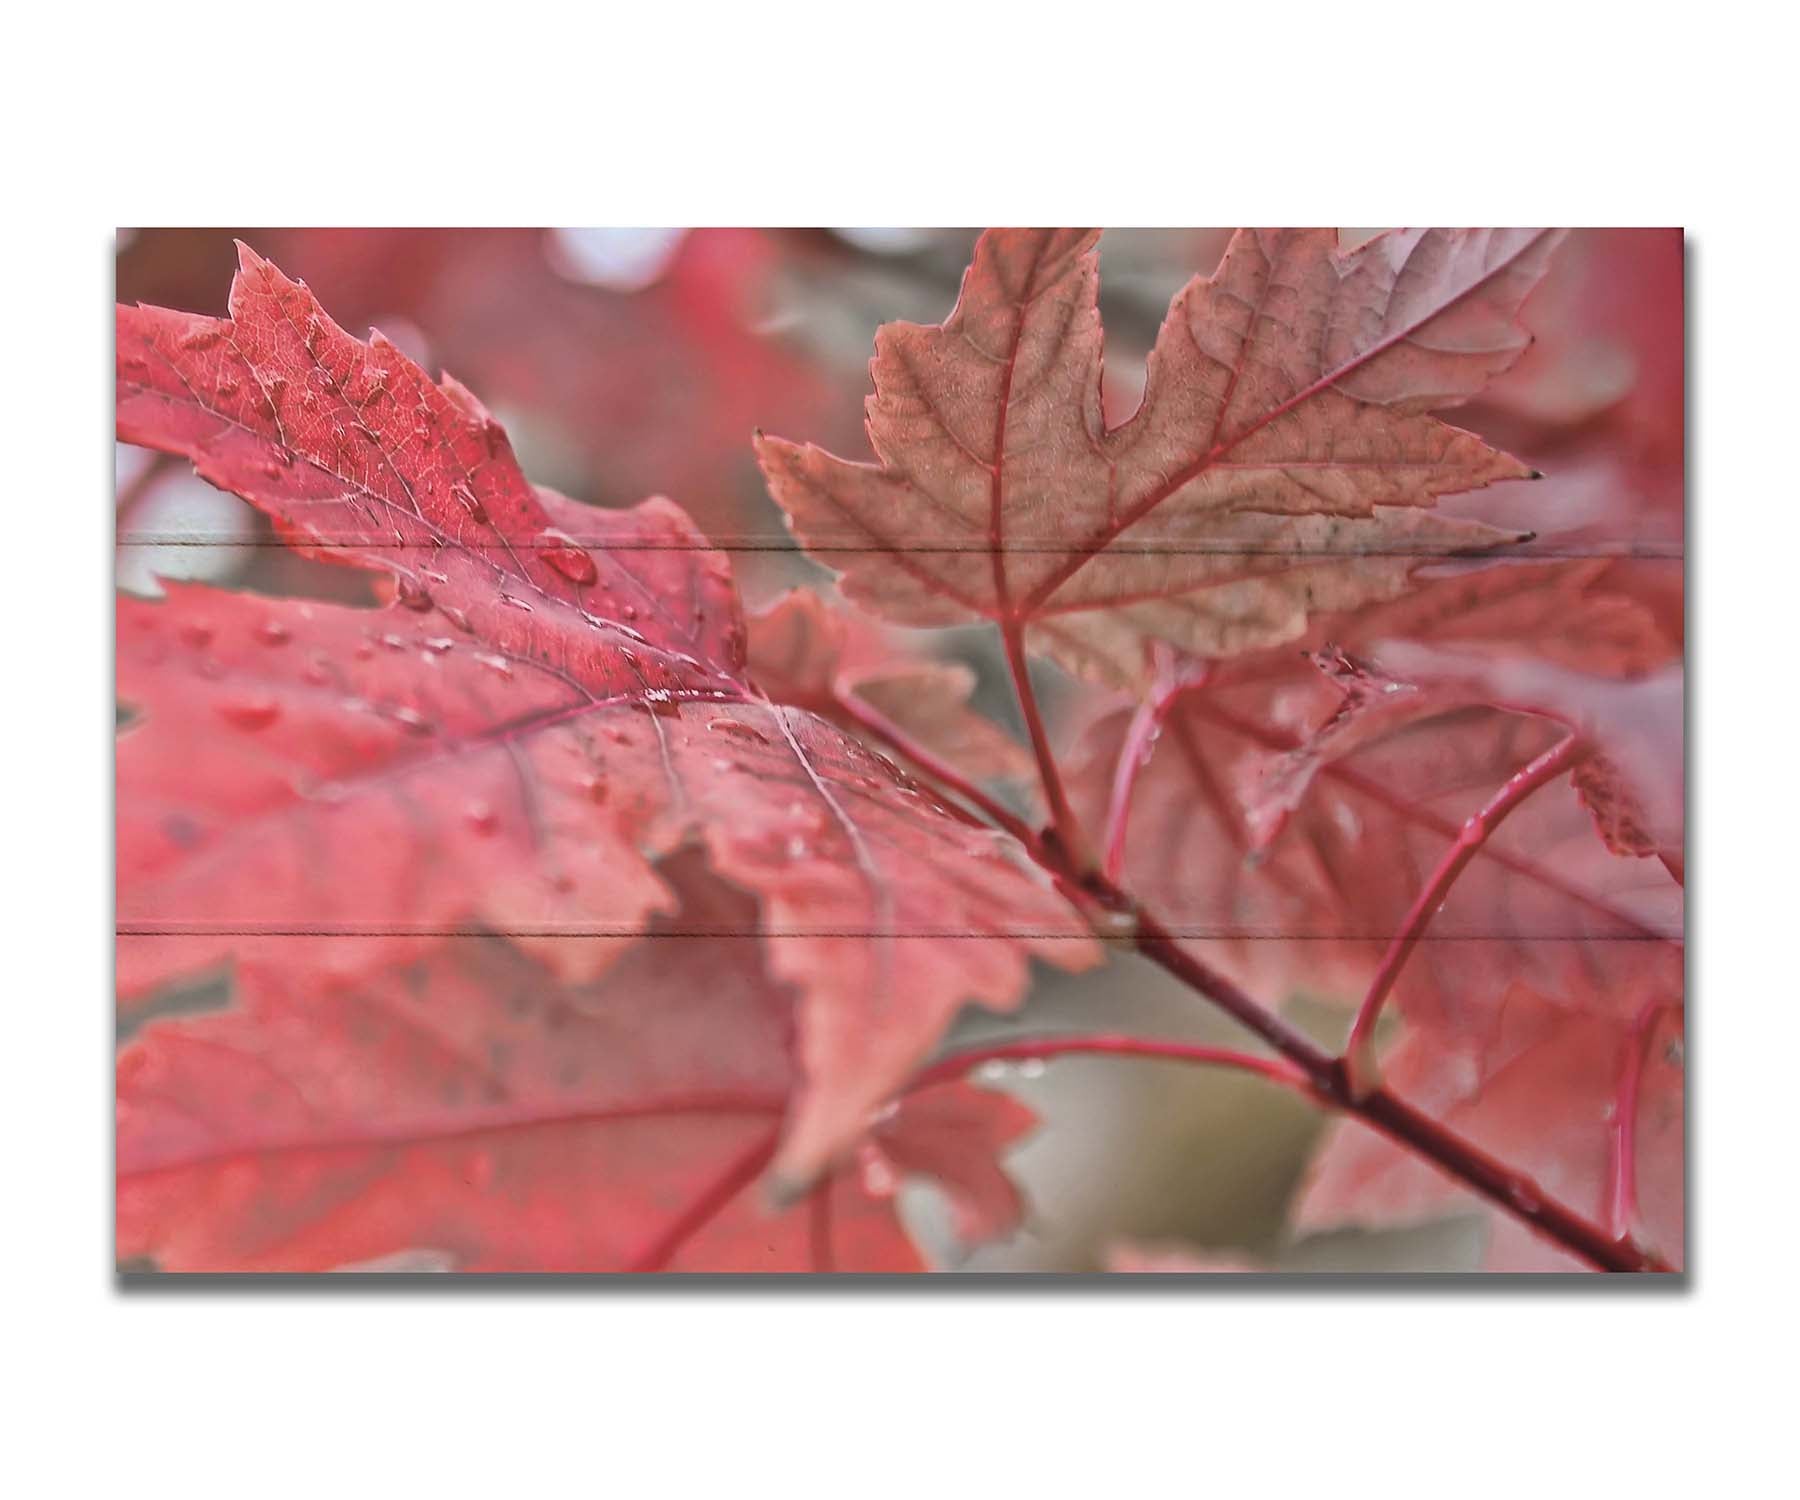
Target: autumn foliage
[[571, 917]]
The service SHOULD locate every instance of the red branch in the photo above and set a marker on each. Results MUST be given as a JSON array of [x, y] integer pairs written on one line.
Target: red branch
[[1310, 1070], [1359, 1052], [1513, 1191]]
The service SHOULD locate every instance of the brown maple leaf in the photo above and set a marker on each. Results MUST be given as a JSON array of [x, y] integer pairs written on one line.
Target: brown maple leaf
[[1282, 461]]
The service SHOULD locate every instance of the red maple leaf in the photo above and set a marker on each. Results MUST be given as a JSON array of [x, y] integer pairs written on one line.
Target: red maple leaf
[[623, 394], [553, 701], [467, 1111], [1282, 460]]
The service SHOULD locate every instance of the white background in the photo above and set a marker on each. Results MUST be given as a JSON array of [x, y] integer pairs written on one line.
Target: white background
[[1353, 113]]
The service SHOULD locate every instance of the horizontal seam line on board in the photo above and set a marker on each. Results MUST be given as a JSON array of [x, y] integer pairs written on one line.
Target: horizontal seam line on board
[[923, 932], [1471, 552]]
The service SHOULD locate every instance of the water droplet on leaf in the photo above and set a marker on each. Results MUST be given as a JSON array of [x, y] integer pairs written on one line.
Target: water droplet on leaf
[[738, 731], [252, 713], [562, 552], [879, 1180]]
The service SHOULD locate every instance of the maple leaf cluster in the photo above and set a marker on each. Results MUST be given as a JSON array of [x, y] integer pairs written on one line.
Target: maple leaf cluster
[[577, 920]]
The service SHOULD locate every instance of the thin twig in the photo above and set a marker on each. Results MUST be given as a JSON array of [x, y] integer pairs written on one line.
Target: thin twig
[[1360, 1062], [1622, 1201], [1140, 738]]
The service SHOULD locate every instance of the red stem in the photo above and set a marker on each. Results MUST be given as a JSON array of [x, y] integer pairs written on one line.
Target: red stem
[[1062, 815], [1360, 1064], [1275, 1069], [938, 769], [1622, 1201], [1134, 755]]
